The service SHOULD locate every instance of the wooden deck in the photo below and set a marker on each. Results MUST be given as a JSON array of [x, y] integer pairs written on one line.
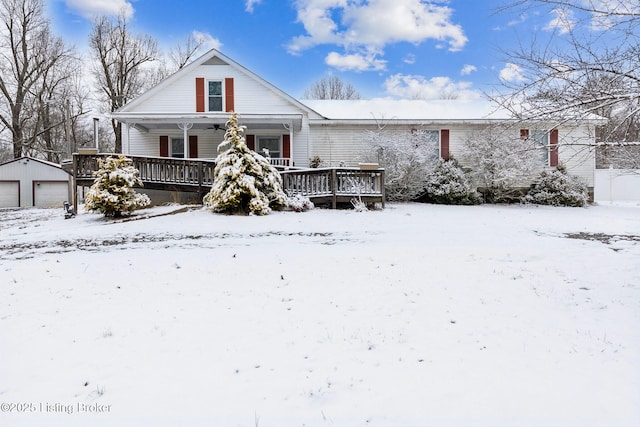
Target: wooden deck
[[321, 185], [336, 185]]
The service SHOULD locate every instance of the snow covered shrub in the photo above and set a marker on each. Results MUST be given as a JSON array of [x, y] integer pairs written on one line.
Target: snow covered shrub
[[112, 191], [299, 203], [406, 158], [500, 162], [449, 184], [359, 205], [243, 179], [558, 188]]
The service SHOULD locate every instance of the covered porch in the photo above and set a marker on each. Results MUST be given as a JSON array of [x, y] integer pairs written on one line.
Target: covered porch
[[197, 136]]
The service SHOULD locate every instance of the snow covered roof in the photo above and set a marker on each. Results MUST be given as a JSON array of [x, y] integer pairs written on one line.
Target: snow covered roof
[[439, 110], [27, 159], [409, 109]]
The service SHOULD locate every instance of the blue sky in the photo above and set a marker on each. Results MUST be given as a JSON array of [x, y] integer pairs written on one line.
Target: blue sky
[[385, 48]]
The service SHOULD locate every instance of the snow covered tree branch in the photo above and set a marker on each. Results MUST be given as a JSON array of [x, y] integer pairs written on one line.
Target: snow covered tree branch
[[112, 192], [587, 64], [243, 179]]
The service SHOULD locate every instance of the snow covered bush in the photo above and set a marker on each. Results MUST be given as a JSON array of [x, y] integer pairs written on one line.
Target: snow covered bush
[[112, 191], [406, 158], [558, 188], [243, 179], [449, 184], [500, 162], [299, 203]]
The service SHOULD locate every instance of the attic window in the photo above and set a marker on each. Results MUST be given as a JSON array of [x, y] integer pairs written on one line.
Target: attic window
[[215, 95]]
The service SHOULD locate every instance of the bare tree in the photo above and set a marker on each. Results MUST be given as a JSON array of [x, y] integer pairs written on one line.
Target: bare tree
[[590, 63], [331, 88], [120, 59], [184, 52], [179, 55], [30, 60]]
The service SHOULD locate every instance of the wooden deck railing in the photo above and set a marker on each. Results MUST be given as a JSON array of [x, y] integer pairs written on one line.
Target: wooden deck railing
[[153, 170], [335, 185], [330, 185]]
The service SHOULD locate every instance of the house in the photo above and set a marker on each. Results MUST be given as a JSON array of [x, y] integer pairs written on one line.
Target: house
[[184, 117], [26, 182]]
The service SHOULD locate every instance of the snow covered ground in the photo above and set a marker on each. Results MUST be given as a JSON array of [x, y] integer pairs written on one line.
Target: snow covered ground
[[418, 315]]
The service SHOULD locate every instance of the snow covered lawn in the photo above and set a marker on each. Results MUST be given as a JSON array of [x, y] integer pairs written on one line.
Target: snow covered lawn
[[418, 315]]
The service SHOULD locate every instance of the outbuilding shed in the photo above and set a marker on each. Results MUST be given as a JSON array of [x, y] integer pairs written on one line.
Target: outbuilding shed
[[26, 182]]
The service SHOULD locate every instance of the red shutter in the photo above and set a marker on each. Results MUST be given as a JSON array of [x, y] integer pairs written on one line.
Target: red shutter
[[524, 134], [228, 95], [199, 95], [553, 147], [444, 144], [286, 145], [164, 146], [251, 142], [193, 146]]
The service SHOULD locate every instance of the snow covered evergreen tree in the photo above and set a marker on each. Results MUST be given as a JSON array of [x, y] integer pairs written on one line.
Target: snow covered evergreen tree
[[449, 184], [558, 188], [501, 162], [243, 179], [112, 191]]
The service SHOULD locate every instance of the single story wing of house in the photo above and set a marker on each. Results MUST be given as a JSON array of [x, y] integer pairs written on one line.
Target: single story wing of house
[[184, 116]]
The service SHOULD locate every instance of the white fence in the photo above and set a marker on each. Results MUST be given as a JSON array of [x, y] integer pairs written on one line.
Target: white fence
[[617, 185]]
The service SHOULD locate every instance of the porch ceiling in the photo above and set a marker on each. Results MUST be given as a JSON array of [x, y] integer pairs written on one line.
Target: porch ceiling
[[149, 121]]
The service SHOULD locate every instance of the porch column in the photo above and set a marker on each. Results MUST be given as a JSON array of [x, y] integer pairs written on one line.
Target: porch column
[[291, 145], [289, 127], [185, 128]]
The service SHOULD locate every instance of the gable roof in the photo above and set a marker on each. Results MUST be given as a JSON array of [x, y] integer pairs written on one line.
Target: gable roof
[[27, 158], [216, 57]]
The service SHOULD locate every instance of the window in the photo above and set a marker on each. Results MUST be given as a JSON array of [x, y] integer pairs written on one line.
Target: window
[[541, 139], [177, 147], [215, 95], [272, 144]]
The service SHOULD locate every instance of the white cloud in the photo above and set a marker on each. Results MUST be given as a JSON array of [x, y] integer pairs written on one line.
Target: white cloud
[[511, 73], [208, 41], [409, 59], [91, 8], [563, 22], [419, 87], [468, 69], [250, 5], [370, 26], [355, 62], [613, 12]]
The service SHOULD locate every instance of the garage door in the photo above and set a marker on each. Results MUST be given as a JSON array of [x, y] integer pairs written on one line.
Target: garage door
[[50, 194], [9, 194]]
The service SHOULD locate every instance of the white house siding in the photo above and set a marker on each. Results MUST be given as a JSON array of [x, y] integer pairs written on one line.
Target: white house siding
[[28, 173], [140, 143], [577, 151], [341, 144], [250, 96], [344, 143]]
